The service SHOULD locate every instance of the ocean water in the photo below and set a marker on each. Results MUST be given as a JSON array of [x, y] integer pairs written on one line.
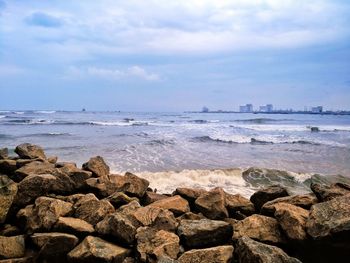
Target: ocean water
[[189, 149]]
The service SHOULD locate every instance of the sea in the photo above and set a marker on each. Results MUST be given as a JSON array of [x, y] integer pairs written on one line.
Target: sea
[[192, 149]]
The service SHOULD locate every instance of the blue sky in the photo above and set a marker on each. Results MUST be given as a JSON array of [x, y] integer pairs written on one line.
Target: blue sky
[[160, 55]]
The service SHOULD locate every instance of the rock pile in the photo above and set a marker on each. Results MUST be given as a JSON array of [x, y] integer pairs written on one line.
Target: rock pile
[[56, 212]]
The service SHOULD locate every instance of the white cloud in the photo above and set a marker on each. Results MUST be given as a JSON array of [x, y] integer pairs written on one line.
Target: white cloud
[[10, 70]]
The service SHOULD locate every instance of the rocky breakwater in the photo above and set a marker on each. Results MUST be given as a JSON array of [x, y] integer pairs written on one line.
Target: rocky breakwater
[[56, 212]]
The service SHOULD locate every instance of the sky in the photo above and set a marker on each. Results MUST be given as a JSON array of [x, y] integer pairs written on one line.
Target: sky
[[160, 55]]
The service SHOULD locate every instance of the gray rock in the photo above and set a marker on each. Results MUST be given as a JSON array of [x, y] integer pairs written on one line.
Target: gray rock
[[30, 151], [4, 153], [328, 192], [260, 197]]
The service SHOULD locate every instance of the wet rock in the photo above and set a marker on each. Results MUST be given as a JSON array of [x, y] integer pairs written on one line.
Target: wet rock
[[330, 220], [8, 191], [175, 204], [326, 193], [249, 251], [34, 167], [92, 210], [303, 201], [8, 230], [190, 194], [4, 153], [43, 214], [262, 228], [151, 197], [74, 226], [94, 249], [212, 204], [118, 226], [8, 166], [12, 247], [153, 244], [237, 204], [220, 254], [260, 197], [118, 199], [30, 151], [97, 166], [204, 233], [292, 220]]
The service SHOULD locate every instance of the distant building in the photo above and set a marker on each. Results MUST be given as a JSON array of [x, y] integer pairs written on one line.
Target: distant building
[[266, 108], [246, 108], [205, 109], [317, 109]]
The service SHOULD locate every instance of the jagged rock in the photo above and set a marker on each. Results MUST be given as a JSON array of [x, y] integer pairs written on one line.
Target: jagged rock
[[4, 153], [303, 201], [330, 219], [119, 226], [259, 227], [212, 204], [153, 244], [237, 204], [54, 246], [249, 251], [92, 210], [74, 226], [292, 220], [71, 198], [95, 249], [35, 167], [52, 159], [204, 233], [129, 208], [8, 230], [27, 259], [43, 214], [30, 151], [175, 204], [118, 199], [12, 247], [78, 176], [220, 254], [151, 197], [8, 166], [326, 193], [190, 194], [68, 165], [8, 191], [190, 216], [260, 197], [97, 166], [22, 162]]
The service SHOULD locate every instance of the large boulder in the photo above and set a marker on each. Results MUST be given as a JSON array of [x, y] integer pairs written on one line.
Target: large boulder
[[35, 167], [328, 192], [220, 254], [212, 204], [151, 197], [95, 249], [4, 153], [204, 233], [12, 247], [118, 199], [292, 220], [259, 227], [249, 251], [190, 194], [175, 204], [97, 166], [30, 151], [8, 166], [260, 197], [237, 205], [155, 245], [74, 226], [8, 191], [78, 176]]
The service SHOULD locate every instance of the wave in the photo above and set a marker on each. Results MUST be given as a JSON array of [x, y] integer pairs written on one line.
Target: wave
[[45, 111], [203, 121], [262, 120], [57, 122], [161, 142], [47, 134], [2, 116]]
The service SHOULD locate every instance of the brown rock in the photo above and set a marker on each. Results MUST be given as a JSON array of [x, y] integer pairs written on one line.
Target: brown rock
[[78, 176], [12, 247], [29, 259], [154, 245], [8, 230], [74, 226], [35, 167], [129, 208], [151, 197], [326, 193], [175, 204], [97, 166], [7, 166], [260, 197], [220, 254], [191, 216], [52, 159], [94, 249], [8, 191], [30, 151], [236, 204], [190, 194], [212, 204], [4, 153], [118, 199], [204, 233]]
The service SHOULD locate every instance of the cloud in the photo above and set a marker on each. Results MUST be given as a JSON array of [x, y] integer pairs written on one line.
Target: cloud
[[43, 20], [7, 70]]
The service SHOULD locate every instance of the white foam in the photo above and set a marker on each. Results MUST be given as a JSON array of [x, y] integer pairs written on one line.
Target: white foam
[[45, 111]]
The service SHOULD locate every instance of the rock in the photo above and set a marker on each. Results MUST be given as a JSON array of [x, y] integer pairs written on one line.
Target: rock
[[71, 198], [212, 204], [326, 193], [52, 159], [260, 197], [151, 197], [8, 166], [153, 244], [190, 194], [9, 230], [78, 176], [261, 228], [97, 166], [129, 208], [95, 249], [74, 226], [4, 153], [330, 219], [12, 247], [303, 201], [8, 191], [43, 214], [30, 151], [175, 204], [249, 251], [54, 246], [92, 210], [204, 233], [191, 216], [35, 167], [118, 199], [29, 259], [237, 204], [292, 220], [118, 226], [220, 254]]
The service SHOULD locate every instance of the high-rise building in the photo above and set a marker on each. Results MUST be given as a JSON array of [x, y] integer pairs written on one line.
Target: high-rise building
[[246, 108], [317, 109], [266, 108]]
